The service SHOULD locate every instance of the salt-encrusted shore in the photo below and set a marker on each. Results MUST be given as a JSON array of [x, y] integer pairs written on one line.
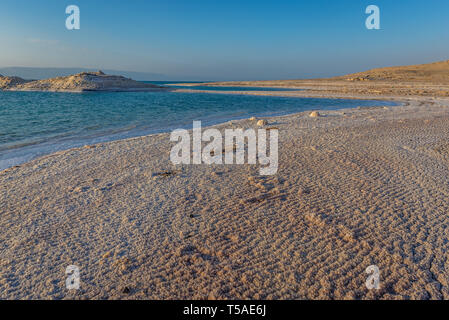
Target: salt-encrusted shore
[[355, 187]]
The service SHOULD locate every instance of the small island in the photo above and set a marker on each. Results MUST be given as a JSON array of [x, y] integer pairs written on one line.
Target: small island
[[81, 82]]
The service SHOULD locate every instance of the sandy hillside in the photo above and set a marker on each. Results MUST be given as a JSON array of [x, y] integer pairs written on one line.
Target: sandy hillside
[[354, 188], [430, 80], [437, 72]]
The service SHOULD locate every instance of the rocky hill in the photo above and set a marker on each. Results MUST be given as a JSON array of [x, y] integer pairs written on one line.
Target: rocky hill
[[9, 82], [84, 81]]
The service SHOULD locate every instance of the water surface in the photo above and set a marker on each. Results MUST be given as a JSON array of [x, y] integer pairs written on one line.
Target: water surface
[[37, 123]]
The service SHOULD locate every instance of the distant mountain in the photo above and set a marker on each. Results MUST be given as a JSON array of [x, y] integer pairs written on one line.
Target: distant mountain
[[45, 73]]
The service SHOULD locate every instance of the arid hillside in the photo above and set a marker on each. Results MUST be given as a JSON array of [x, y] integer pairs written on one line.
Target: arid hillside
[[418, 80], [437, 72]]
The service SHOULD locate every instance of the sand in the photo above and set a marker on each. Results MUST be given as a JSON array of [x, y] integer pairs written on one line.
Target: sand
[[355, 187]]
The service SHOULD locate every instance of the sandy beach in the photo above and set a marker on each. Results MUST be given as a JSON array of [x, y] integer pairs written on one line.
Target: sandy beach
[[355, 187], [224, 159]]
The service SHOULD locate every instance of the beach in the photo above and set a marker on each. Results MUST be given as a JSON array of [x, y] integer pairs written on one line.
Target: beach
[[355, 187], [224, 159]]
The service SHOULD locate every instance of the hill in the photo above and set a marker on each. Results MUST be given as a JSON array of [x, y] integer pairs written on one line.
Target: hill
[[8, 82], [47, 73], [85, 81], [437, 72], [430, 79]]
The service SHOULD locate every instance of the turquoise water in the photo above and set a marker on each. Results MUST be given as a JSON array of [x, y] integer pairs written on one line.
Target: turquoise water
[[224, 88], [37, 123]]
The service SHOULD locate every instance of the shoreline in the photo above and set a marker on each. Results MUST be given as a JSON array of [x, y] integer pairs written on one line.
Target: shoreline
[[303, 93], [355, 187], [344, 87], [215, 123]]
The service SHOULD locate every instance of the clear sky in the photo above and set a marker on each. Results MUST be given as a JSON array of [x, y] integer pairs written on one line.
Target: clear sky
[[224, 40]]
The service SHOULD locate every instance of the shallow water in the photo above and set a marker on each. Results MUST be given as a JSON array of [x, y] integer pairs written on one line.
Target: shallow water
[[200, 86], [37, 123], [224, 88]]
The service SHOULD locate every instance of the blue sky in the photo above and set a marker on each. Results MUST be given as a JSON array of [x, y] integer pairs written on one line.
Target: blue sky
[[224, 40]]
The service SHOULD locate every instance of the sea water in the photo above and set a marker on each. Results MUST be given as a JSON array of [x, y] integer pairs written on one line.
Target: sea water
[[33, 124]]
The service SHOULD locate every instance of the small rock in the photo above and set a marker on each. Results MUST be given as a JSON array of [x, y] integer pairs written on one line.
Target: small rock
[[126, 290], [262, 123], [314, 114], [303, 190], [107, 255], [252, 119]]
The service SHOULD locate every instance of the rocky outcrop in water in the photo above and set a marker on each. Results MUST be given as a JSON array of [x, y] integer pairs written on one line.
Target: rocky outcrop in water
[[84, 81], [9, 82]]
